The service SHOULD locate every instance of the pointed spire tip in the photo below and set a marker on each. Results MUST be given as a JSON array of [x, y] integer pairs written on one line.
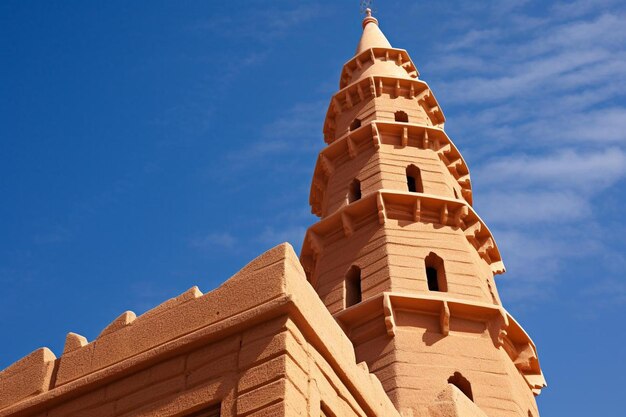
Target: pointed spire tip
[[369, 18], [372, 36]]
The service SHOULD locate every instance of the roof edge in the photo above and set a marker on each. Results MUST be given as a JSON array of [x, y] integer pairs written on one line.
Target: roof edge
[[273, 284]]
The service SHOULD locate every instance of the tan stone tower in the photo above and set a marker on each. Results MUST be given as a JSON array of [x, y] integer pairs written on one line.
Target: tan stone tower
[[399, 256]]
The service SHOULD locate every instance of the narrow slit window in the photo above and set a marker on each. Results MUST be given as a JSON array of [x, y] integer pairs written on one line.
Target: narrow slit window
[[462, 384], [456, 194], [354, 193], [356, 123], [435, 273], [402, 117], [431, 275], [353, 286], [414, 179]]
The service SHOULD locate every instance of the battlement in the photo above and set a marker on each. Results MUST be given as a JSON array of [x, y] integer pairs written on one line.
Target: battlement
[[270, 289]]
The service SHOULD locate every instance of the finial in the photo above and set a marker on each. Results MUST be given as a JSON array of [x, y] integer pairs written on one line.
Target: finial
[[369, 18]]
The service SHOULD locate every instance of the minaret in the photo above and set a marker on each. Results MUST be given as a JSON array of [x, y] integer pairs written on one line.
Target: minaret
[[399, 256]]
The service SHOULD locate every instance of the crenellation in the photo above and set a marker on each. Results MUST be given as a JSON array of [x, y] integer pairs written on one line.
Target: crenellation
[[125, 319], [261, 366], [74, 341], [189, 295], [29, 376]]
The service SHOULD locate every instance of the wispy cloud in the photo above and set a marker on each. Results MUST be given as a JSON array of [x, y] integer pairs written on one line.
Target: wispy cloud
[[303, 120], [210, 241], [589, 171], [56, 234], [273, 236], [537, 99], [611, 291], [297, 132], [264, 25], [534, 207], [580, 7]]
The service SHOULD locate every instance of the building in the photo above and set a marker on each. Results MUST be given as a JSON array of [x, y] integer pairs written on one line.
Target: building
[[391, 309]]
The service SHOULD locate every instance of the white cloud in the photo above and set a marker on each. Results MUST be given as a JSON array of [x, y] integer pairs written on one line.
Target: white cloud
[[274, 236], [472, 38], [568, 169], [296, 132], [223, 240], [604, 31], [538, 96], [524, 78], [593, 127], [263, 25], [610, 290], [578, 8], [533, 207], [301, 121]]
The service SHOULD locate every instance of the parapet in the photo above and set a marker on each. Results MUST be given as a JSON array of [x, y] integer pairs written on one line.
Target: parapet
[[271, 287], [27, 377]]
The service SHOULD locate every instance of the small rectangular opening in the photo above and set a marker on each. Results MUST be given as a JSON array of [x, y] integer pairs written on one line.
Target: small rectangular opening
[[433, 282], [353, 286], [411, 183]]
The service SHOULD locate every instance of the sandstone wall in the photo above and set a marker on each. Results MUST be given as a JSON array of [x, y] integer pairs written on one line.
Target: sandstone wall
[[262, 344]]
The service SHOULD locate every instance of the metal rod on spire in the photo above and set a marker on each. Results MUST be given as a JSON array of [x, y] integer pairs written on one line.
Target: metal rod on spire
[[366, 6]]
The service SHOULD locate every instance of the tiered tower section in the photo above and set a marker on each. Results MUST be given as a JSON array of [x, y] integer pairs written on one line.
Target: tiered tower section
[[399, 256]]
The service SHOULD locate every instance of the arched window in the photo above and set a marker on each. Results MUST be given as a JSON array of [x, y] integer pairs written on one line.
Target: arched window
[[356, 123], [353, 286], [354, 192], [402, 117], [462, 384], [414, 179], [435, 273]]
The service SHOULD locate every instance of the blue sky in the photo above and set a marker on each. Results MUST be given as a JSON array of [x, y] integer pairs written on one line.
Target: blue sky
[[146, 147]]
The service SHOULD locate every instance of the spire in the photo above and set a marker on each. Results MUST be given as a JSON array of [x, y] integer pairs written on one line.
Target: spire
[[372, 36], [401, 258]]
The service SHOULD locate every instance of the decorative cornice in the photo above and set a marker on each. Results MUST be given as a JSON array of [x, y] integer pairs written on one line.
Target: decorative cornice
[[505, 331], [400, 205], [375, 86], [390, 133], [369, 57]]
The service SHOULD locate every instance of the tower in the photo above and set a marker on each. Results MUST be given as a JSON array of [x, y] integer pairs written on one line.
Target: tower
[[399, 256]]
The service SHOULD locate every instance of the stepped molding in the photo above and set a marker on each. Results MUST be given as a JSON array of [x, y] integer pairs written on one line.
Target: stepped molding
[[401, 205], [388, 133], [376, 86], [370, 56], [504, 330]]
